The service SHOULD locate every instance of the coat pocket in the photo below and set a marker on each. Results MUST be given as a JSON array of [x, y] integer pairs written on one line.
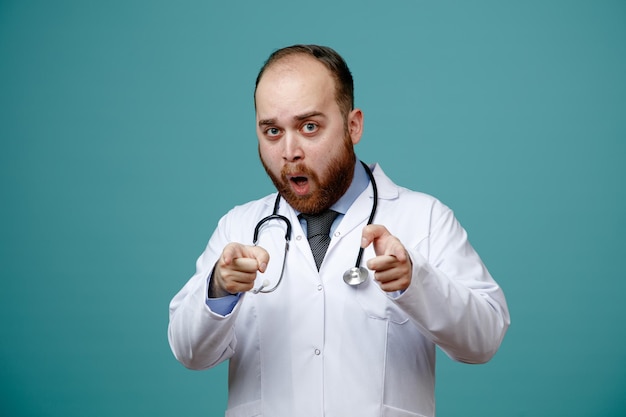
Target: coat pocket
[[377, 304]]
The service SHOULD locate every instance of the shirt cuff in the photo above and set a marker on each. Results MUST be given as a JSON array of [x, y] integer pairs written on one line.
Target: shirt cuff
[[223, 305]]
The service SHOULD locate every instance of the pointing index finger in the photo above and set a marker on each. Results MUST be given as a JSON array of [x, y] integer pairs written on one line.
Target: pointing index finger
[[251, 256], [261, 256]]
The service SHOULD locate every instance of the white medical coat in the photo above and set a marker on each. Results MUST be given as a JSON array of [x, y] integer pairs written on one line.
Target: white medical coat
[[318, 347]]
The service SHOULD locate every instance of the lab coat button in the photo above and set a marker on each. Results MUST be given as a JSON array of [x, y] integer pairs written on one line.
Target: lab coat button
[[320, 288], [299, 237], [317, 352], [337, 234]]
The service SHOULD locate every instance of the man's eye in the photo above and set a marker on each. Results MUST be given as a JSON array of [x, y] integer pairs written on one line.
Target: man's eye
[[272, 131], [309, 127]]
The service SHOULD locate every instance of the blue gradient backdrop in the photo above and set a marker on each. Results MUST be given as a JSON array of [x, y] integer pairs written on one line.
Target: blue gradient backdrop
[[127, 130]]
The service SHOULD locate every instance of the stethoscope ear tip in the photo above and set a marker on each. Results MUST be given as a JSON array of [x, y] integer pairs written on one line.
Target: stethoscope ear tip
[[265, 283]]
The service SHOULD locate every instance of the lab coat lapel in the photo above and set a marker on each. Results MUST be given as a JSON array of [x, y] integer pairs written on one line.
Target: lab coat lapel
[[359, 212]]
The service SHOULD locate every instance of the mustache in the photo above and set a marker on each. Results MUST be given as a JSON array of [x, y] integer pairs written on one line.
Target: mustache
[[296, 169]]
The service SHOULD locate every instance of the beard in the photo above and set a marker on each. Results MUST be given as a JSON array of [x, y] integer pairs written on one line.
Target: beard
[[327, 187]]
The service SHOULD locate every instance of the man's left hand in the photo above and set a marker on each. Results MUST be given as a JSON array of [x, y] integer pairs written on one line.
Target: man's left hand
[[392, 265]]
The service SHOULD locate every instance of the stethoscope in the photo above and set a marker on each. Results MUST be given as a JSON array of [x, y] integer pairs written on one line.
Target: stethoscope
[[353, 276]]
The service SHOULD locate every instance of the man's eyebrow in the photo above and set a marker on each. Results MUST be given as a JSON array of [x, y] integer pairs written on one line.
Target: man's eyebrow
[[299, 117], [304, 116]]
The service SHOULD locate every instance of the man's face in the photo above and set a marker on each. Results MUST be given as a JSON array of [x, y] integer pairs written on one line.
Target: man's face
[[305, 143]]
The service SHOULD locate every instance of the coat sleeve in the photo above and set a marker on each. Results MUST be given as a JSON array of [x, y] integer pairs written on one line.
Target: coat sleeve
[[199, 337], [452, 297]]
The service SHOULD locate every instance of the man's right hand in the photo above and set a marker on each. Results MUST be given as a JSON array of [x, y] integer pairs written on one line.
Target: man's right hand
[[236, 269]]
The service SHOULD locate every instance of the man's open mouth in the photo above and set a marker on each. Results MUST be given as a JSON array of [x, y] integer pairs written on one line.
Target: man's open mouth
[[300, 184], [299, 180]]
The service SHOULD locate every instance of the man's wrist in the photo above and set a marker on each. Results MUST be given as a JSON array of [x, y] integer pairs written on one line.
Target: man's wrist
[[215, 290]]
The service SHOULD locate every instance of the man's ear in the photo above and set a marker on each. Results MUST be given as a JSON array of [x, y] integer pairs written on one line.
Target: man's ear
[[355, 125]]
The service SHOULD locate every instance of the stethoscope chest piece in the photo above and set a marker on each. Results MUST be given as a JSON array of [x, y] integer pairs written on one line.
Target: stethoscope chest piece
[[355, 276]]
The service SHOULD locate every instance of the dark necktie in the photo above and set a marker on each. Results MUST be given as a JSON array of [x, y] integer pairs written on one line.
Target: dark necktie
[[318, 231]]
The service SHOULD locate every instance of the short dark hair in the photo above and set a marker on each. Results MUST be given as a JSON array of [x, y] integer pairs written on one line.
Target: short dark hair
[[344, 85]]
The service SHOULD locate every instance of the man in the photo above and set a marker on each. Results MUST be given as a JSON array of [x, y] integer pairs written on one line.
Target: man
[[309, 344]]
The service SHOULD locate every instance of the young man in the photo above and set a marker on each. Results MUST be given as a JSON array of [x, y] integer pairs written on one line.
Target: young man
[[300, 339]]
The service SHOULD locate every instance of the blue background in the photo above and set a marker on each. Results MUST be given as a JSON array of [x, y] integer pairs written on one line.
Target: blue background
[[127, 130]]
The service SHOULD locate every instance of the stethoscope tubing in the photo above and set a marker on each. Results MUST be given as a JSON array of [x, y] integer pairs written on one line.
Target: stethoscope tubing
[[277, 216], [373, 212]]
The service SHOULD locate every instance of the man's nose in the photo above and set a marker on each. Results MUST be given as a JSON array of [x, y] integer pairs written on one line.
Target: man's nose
[[292, 150]]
